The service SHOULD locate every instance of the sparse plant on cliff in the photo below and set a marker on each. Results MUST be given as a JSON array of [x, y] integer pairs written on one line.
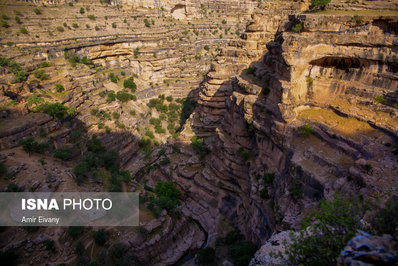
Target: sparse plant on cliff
[[37, 11], [130, 84], [297, 28], [306, 130], [326, 231], [242, 153], [91, 17], [199, 147], [114, 78], [18, 20], [4, 24], [379, 99], [44, 64], [81, 10], [146, 22], [40, 74], [23, 30], [114, 25], [72, 57], [319, 3], [30, 145], [385, 221], [224, 21]]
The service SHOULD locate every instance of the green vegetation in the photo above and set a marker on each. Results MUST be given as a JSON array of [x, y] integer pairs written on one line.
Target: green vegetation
[[130, 84], [44, 64], [50, 245], [199, 147], [297, 28], [64, 153], [239, 250], [40, 74], [124, 96], [37, 11], [146, 22], [269, 178], [250, 70], [385, 220], [320, 3], [111, 96], [224, 21], [325, 232], [59, 87], [92, 17], [4, 24], [60, 29], [75, 231], [117, 250], [100, 237], [57, 110], [114, 25], [72, 57], [31, 146], [81, 10], [23, 30], [306, 130], [168, 198], [114, 78], [206, 256], [379, 99], [18, 20], [242, 153], [15, 68]]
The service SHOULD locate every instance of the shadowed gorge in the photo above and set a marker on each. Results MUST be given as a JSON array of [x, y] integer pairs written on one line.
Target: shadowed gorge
[[236, 122]]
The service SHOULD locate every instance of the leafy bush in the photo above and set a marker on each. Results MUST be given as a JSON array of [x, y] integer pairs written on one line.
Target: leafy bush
[[242, 252], [23, 30], [124, 96], [44, 64], [64, 153], [269, 178], [199, 147], [100, 237], [297, 28], [250, 70], [72, 57], [385, 221], [325, 232], [114, 78], [306, 130], [167, 189], [40, 74], [4, 24], [92, 17], [31, 146], [59, 87], [130, 84], [55, 109], [379, 99], [205, 256], [18, 20], [37, 11], [111, 96], [320, 3], [224, 21], [81, 10], [75, 231]]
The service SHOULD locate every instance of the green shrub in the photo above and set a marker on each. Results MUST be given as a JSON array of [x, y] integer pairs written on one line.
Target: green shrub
[[269, 178], [199, 147], [4, 24], [325, 232], [91, 16], [149, 134], [320, 3], [55, 109], [75, 25], [306, 130], [23, 30], [31, 146], [50, 245], [12, 187], [59, 87], [224, 21], [20, 76], [44, 64], [5, 17], [111, 96], [75, 231], [167, 189], [81, 10], [205, 256], [72, 57], [242, 252], [64, 153], [130, 84], [379, 99], [75, 136], [385, 221], [114, 25], [243, 154], [100, 237], [297, 28], [114, 78], [40, 74], [37, 11], [115, 115], [165, 161], [18, 20], [123, 96]]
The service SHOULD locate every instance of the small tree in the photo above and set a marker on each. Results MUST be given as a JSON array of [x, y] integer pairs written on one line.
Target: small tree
[[320, 3], [100, 237]]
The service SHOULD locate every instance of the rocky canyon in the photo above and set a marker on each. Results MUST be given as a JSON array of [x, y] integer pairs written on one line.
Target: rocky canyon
[[236, 122]]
